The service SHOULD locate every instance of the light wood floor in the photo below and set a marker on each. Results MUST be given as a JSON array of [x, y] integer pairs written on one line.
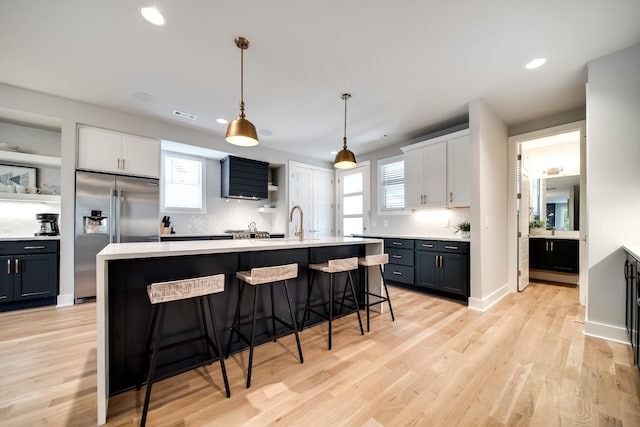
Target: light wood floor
[[525, 362]]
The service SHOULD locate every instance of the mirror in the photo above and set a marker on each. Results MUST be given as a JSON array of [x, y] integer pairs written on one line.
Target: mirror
[[556, 200]]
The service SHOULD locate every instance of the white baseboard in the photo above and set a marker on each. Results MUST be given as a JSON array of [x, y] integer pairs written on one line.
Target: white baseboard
[[65, 300], [606, 332], [484, 304]]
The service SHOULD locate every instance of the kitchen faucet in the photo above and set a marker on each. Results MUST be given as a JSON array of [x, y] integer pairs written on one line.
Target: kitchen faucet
[[301, 232], [252, 227]]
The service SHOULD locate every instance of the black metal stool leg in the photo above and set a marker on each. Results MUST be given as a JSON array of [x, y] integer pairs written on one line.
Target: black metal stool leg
[[330, 306], [366, 294], [236, 319], [273, 313], [204, 325], [154, 319], [293, 322], [386, 291], [154, 361], [306, 306], [353, 293], [253, 334], [218, 348]]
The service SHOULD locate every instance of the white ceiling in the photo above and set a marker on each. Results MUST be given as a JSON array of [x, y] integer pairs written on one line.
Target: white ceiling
[[410, 65]]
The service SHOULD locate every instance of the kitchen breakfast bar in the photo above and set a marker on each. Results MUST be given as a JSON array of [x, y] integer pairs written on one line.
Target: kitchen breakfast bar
[[124, 312]]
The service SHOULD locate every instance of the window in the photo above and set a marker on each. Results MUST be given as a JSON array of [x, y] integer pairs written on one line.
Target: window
[[183, 183], [391, 184]]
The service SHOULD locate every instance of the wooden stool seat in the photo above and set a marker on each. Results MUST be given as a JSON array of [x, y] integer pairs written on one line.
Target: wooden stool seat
[[331, 267], [160, 295], [373, 261], [256, 278]]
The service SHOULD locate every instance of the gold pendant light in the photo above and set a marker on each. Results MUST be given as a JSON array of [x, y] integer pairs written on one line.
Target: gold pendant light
[[241, 131], [345, 159]]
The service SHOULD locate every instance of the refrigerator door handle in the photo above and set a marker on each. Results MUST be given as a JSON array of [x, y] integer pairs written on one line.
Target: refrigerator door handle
[[118, 213], [112, 215]]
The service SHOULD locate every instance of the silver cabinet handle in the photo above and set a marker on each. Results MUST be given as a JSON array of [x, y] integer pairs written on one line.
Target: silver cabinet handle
[[451, 197], [118, 162], [8, 266], [34, 247], [452, 247], [437, 261], [551, 246], [123, 166], [546, 246], [17, 266], [441, 261], [397, 273], [426, 246], [396, 256], [396, 243]]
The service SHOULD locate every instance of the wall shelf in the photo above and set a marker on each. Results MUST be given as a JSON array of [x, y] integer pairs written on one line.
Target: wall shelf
[[267, 210], [44, 198], [29, 159]]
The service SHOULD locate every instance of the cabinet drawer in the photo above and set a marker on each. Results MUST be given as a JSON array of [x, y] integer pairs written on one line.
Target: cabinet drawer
[[400, 256], [443, 246], [29, 247], [398, 243], [399, 273]]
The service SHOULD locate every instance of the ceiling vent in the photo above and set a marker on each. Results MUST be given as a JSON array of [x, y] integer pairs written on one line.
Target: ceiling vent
[[184, 115]]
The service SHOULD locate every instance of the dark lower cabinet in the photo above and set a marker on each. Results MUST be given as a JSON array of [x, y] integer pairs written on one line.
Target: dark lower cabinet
[[632, 305], [29, 272], [559, 255], [443, 266]]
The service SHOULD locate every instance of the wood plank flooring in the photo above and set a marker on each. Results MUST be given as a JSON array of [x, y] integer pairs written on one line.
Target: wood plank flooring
[[525, 362]]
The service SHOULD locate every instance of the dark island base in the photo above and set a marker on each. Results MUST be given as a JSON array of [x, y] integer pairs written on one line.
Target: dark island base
[[130, 310]]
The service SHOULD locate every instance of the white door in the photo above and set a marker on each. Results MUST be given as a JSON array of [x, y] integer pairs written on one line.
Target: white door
[[311, 188], [459, 172], [301, 194], [414, 178], [353, 200], [523, 204], [322, 203], [436, 175]]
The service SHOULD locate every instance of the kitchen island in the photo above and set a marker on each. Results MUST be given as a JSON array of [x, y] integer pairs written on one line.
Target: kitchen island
[[123, 309]]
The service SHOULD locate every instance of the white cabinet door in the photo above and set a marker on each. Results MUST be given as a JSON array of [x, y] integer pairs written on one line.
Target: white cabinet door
[[140, 156], [458, 173], [435, 183], [414, 178], [311, 188], [99, 149], [110, 151]]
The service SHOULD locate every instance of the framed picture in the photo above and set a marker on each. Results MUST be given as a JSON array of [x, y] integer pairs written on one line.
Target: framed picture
[[18, 175]]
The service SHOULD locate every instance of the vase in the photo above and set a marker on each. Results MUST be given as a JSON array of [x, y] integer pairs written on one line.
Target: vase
[[465, 234]]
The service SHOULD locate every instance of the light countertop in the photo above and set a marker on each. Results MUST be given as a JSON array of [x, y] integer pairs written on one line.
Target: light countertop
[[25, 238], [416, 237], [634, 250], [197, 247]]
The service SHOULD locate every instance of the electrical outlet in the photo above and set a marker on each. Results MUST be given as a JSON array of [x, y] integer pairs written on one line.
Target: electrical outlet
[[385, 223]]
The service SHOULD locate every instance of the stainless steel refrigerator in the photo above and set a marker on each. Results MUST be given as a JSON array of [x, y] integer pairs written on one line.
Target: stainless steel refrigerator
[[110, 209]]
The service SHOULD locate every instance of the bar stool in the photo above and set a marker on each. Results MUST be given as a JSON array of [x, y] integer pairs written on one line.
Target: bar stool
[[332, 266], [257, 277], [163, 293], [372, 261]]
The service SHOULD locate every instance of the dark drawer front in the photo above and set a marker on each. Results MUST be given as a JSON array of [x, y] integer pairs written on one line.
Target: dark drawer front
[[443, 246], [400, 256], [399, 273], [29, 247], [398, 243]]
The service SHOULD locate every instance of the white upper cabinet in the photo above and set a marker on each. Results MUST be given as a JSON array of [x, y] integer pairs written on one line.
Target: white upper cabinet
[[458, 172], [109, 151], [437, 172]]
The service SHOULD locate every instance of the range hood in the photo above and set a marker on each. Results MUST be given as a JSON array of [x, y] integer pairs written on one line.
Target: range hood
[[243, 178]]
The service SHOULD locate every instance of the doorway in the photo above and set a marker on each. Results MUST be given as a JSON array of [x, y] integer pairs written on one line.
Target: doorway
[[353, 200], [547, 200]]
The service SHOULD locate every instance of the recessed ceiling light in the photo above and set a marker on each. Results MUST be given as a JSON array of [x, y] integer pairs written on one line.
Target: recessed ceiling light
[[333, 153], [152, 15], [222, 121], [535, 63]]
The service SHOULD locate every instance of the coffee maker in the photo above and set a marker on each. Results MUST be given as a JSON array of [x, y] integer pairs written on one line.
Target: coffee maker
[[48, 224]]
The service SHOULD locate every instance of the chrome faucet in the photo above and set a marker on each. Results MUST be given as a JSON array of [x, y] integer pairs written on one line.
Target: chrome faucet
[[301, 232]]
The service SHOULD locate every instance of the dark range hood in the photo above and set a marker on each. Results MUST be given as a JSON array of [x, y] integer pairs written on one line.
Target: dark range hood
[[243, 178]]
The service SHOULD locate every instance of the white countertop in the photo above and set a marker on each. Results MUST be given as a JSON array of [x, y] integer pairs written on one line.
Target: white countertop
[[546, 234], [417, 237], [198, 247], [24, 238]]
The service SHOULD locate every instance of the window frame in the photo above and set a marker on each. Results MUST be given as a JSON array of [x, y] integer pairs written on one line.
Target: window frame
[[203, 183], [380, 164]]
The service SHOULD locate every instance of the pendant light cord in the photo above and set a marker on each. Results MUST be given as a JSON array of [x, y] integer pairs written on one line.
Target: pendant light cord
[[242, 83], [344, 140]]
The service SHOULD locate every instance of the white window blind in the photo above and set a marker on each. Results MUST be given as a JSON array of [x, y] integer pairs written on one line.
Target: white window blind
[[183, 183], [392, 185]]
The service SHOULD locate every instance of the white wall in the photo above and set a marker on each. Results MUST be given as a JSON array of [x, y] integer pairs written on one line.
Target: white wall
[[70, 113], [489, 176], [613, 185]]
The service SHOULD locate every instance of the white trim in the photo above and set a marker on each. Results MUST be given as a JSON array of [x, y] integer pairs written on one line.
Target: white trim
[[437, 139], [484, 304], [606, 332], [65, 300]]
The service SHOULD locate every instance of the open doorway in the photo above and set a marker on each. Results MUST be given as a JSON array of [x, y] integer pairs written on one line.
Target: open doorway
[[547, 224]]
